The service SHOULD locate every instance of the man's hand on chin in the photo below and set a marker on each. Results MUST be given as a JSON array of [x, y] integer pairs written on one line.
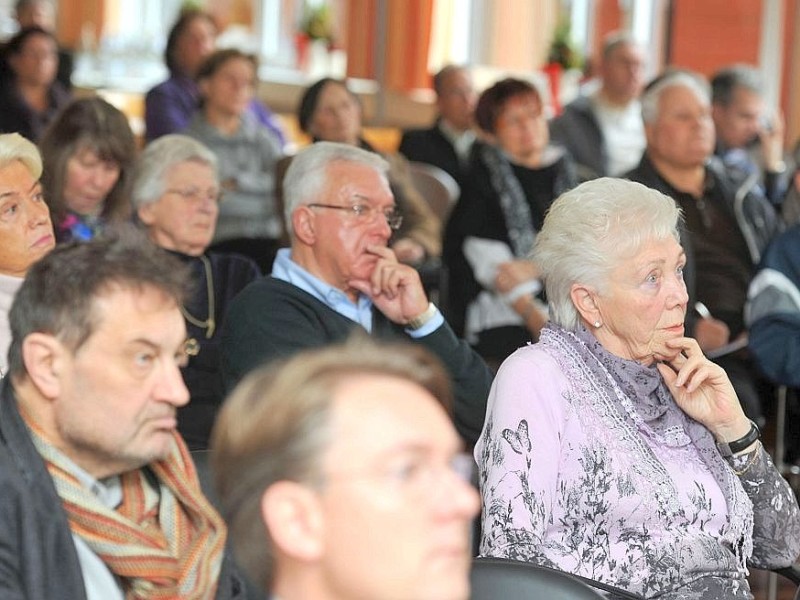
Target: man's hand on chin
[[395, 289]]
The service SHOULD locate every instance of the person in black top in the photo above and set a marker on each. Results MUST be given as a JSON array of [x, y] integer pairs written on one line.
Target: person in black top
[[728, 222], [176, 194], [30, 96], [513, 179], [447, 144]]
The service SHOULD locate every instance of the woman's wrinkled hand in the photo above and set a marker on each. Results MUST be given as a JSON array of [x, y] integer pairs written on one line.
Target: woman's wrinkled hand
[[703, 390]]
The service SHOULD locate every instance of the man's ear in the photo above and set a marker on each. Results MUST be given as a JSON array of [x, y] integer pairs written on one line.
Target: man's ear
[[585, 300], [44, 357], [304, 225], [294, 519], [146, 213]]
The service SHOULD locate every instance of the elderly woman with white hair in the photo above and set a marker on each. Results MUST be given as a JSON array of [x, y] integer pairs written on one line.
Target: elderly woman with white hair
[[176, 195], [613, 448], [26, 232]]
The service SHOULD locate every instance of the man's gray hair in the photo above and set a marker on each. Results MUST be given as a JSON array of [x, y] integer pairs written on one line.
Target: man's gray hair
[[159, 158], [589, 229], [305, 178], [651, 97], [726, 81], [617, 39]]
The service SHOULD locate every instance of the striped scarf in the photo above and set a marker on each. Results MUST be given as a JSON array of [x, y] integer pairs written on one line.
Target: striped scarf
[[161, 542]]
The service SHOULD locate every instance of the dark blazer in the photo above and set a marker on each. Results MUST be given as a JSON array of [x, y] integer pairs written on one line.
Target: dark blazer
[[579, 132], [38, 559], [432, 147]]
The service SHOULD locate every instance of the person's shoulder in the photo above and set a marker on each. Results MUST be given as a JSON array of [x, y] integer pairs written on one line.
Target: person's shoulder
[[160, 89], [268, 295], [580, 108], [532, 357], [418, 134], [232, 260], [234, 267]]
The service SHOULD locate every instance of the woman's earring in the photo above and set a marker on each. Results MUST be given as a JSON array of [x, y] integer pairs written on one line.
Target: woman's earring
[[597, 324]]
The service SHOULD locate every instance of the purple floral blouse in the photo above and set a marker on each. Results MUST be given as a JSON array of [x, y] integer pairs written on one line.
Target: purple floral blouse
[[587, 465]]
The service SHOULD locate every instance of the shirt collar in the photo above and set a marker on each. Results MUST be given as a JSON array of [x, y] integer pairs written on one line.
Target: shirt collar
[[285, 269]]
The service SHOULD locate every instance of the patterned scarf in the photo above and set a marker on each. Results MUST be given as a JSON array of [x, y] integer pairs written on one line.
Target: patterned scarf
[[514, 204], [161, 543], [637, 401]]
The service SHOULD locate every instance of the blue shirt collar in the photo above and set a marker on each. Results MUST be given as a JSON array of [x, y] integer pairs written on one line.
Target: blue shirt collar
[[285, 269]]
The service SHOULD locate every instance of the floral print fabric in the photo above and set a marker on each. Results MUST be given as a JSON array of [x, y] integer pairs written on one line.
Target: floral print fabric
[[587, 465]]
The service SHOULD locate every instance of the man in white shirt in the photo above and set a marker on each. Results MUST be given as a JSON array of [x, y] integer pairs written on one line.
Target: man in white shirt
[[604, 132]]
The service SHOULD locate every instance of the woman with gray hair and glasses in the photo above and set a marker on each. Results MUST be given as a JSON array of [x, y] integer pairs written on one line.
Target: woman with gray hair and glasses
[[613, 448], [26, 232], [176, 195]]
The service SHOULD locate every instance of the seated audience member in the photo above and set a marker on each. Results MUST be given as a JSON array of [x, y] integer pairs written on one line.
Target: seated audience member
[[330, 112], [41, 14], [249, 220], [26, 233], [748, 141], [773, 319], [169, 106], [513, 179], [728, 221], [613, 442], [355, 438], [448, 143], [603, 131], [340, 276], [88, 154], [176, 196], [790, 207], [31, 97], [100, 495]]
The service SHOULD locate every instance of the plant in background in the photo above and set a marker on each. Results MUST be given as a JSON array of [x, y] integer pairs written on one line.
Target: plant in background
[[190, 5], [562, 48], [317, 23]]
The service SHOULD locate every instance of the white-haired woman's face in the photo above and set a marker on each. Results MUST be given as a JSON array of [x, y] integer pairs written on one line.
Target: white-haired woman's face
[[26, 232], [644, 303], [185, 216]]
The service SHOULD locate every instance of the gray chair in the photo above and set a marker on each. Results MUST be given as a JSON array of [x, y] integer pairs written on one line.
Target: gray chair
[[505, 579], [437, 186]]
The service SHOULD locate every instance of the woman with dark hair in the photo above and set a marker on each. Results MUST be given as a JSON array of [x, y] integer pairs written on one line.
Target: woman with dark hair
[[169, 106], [494, 291], [88, 154], [330, 112], [249, 221], [32, 96]]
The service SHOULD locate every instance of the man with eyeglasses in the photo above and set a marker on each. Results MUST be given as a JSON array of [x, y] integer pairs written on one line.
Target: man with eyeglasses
[[340, 476], [339, 275], [100, 496]]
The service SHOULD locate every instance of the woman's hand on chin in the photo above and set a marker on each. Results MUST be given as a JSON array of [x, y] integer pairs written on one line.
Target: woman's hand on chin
[[702, 390]]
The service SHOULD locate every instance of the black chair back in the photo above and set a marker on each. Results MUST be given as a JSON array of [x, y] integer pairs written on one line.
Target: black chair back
[[499, 578]]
